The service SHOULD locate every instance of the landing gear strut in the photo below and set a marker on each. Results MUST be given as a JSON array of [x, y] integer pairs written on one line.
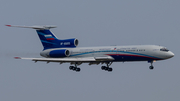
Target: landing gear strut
[[151, 67], [75, 68], [107, 68]]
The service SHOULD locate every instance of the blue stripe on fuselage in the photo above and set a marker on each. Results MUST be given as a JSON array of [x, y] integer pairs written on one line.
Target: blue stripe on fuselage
[[131, 56]]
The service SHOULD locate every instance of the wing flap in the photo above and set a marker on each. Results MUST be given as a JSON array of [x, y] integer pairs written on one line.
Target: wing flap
[[106, 58]]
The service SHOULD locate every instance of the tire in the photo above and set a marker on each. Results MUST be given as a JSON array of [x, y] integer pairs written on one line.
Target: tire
[[74, 68], [110, 69], [70, 67], [106, 68], [151, 67], [103, 67], [78, 69]]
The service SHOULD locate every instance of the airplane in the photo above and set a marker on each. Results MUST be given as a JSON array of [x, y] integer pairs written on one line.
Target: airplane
[[66, 51]]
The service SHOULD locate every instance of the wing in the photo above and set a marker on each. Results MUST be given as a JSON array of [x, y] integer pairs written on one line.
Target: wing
[[90, 60]]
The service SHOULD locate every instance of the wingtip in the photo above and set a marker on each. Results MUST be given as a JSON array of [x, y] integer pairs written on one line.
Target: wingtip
[[8, 25], [17, 57]]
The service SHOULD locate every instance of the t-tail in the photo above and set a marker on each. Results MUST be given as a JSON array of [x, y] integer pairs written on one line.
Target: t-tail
[[49, 40]]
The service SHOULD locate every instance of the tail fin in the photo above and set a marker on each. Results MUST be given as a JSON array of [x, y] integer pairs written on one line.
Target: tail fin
[[48, 39]]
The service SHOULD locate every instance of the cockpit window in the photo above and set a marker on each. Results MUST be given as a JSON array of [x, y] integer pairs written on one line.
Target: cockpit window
[[164, 49]]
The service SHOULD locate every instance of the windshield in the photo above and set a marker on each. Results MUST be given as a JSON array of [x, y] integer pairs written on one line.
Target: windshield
[[164, 49]]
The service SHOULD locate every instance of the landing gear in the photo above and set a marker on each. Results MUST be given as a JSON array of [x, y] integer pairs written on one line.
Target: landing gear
[[107, 68], [75, 68], [78, 69], [151, 67]]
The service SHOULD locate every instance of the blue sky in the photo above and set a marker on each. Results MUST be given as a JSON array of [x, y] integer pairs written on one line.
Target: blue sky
[[93, 23]]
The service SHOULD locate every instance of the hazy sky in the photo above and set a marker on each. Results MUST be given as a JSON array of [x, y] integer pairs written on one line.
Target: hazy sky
[[94, 23]]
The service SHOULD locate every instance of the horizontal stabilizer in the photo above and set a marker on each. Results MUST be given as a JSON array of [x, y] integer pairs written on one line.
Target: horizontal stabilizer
[[33, 27]]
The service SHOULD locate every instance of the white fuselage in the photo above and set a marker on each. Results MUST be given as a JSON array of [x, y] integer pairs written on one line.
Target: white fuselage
[[119, 53]]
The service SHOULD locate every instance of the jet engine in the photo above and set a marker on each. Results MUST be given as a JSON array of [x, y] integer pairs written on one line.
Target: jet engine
[[59, 53], [69, 43]]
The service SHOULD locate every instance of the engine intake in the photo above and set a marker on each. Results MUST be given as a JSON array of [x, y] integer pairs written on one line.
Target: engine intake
[[59, 53]]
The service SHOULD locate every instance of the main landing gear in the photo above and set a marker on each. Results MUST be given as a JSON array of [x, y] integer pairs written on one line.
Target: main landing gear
[[75, 68], [107, 68], [151, 67]]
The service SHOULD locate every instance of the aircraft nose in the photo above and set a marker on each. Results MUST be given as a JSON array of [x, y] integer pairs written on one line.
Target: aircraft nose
[[170, 54]]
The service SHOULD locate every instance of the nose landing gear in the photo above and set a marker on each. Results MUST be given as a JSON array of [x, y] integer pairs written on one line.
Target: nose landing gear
[[151, 67]]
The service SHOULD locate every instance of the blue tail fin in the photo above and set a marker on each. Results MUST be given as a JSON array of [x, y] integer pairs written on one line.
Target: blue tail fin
[[48, 39]]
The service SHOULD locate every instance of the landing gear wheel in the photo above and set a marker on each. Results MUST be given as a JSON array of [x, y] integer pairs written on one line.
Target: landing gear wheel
[[78, 69], [151, 67], [103, 67], [110, 69], [71, 67], [74, 68], [106, 68]]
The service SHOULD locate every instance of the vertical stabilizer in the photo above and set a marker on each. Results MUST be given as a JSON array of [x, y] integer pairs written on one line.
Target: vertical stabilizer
[[48, 39]]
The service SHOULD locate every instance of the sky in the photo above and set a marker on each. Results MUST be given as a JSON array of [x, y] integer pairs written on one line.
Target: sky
[[93, 23]]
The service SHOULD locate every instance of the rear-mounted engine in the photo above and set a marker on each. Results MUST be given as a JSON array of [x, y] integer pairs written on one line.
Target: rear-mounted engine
[[69, 43], [59, 53]]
